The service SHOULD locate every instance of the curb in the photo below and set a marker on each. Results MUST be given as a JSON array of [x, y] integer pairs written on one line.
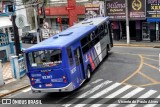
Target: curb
[[132, 45], [13, 91]]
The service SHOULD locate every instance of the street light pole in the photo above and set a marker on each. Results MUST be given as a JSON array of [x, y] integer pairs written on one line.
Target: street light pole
[[36, 24], [127, 23]]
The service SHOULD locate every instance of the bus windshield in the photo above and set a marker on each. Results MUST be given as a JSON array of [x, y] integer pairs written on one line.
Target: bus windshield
[[45, 58]]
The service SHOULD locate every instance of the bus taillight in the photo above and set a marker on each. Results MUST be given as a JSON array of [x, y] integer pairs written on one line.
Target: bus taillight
[[64, 80], [33, 83]]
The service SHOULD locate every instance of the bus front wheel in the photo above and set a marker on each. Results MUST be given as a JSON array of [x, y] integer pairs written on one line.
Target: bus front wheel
[[88, 73]]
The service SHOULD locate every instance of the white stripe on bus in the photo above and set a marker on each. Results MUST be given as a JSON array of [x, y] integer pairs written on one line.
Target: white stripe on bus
[[98, 51]]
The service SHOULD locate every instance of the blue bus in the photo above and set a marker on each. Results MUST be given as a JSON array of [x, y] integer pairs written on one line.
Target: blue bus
[[64, 61]]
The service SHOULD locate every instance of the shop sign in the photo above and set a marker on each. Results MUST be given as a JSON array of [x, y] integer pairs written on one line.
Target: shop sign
[[153, 8], [92, 10], [136, 9], [115, 9]]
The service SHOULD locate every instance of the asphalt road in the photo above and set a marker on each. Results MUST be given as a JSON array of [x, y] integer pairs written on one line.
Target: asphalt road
[[128, 72]]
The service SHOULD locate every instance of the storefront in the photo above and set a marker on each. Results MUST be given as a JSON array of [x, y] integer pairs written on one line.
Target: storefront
[[140, 28], [153, 19]]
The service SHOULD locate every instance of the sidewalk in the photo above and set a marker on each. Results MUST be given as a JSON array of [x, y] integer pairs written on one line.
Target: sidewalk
[[11, 85], [155, 44], [14, 86]]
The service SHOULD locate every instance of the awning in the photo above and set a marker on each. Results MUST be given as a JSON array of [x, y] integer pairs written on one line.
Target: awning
[[5, 22], [153, 19]]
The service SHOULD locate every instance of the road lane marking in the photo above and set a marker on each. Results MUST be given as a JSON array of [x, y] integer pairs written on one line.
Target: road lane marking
[[94, 89], [105, 83], [26, 90], [130, 85], [123, 89], [150, 59], [106, 90], [135, 54], [97, 95], [151, 105], [119, 91], [126, 53], [147, 77], [150, 55], [152, 66], [96, 81], [129, 95], [149, 84], [134, 73], [132, 93], [146, 95]]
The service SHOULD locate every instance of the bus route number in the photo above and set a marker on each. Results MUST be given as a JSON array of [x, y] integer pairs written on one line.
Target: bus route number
[[47, 77]]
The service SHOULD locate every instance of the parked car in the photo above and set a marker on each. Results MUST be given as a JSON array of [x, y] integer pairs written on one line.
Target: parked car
[[30, 37]]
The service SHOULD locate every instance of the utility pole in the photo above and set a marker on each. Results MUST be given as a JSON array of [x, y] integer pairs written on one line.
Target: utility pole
[[43, 9], [36, 23], [16, 36], [127, 23]]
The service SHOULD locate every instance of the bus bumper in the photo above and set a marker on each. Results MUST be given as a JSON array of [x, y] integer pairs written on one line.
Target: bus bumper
[[68, 88]]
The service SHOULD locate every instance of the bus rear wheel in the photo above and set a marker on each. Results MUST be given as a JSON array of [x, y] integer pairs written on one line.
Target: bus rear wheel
[[88, 73]]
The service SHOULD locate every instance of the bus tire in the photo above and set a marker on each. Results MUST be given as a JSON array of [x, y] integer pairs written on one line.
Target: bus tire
[[88, 73]]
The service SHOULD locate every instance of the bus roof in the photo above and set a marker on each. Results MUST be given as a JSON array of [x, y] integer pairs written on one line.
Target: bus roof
[[93, 21], [62, 39]]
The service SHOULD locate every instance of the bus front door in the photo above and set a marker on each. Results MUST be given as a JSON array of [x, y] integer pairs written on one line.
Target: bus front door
[[79, 64]]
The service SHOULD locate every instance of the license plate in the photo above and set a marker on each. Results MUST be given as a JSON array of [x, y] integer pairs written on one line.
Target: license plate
[[48, 85]]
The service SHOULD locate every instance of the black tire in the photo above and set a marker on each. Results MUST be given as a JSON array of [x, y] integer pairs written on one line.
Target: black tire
[[88, 73]]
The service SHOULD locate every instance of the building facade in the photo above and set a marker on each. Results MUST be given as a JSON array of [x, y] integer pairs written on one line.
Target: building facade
[[71, 12], [143, 19]]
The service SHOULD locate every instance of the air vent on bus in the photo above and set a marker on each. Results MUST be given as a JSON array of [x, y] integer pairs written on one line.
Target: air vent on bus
[[87, 22], [66, 34]]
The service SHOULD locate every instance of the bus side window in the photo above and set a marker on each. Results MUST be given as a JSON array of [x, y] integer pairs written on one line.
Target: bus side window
[[97, 32], [102, 34], [85, 43], [69, 51]]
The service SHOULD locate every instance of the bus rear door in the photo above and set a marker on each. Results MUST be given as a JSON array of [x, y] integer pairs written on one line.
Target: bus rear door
[[79, 64]]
